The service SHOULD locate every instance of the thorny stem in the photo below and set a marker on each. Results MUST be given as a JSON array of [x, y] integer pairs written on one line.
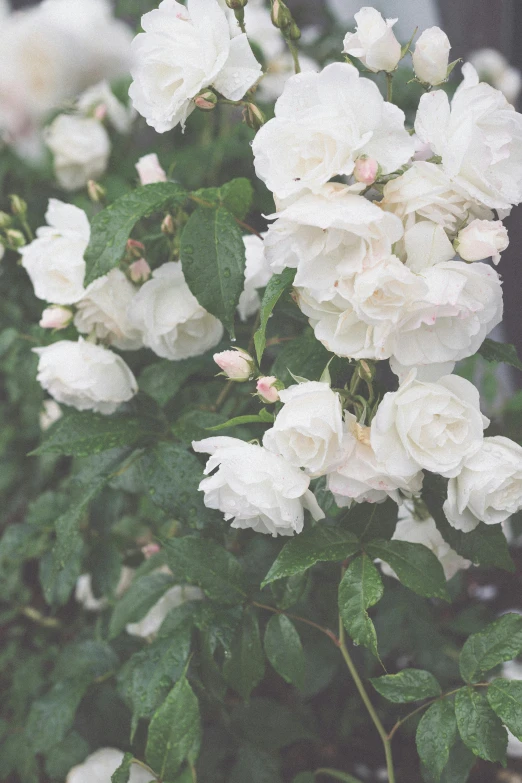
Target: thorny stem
[[389, 87]]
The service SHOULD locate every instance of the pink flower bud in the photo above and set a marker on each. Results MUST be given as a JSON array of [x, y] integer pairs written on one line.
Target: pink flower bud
[[135, 249], [139, 271], [100, 112], [365, 170], [236, 364], [206, 101], [267, 390], [149, 170], [56, 317], [150, 549]]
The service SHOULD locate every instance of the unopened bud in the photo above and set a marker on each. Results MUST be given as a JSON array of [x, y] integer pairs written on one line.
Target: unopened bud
[[56, 317], [293, 32], [234, 4], [100, 112], [150, 549], [135, 249], [253, 116], [95, 191], [150, 170], [236, 364], [366, 370], [139, 271], [15, 238], [206, 100], [366, 170], [280, 15], [168, 227], [18, 205], [267, 389], [5, 220]]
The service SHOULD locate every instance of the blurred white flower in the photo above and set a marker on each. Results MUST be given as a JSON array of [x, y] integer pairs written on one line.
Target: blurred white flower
[[150, 170], [100, 766], [373, 42], [279, 70], [257, 275], [100, 102], [492, 67], [84, 594], [174, 597], [50, 413], [81, 149]]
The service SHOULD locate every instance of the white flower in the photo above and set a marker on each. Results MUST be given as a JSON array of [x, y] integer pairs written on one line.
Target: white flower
[[100, 102], [425, 244], [174, 597], [86, 376], [431, 56], [435, 426], [323, 122], [183, 50], [84, 594], [482, 239], [100, 766], [492, 67], [56, 317], [425, 532], [257, 275], [50, 413], [361, 478], [150, 170], [103, 311], [236, 364], [267, 390], [329, 237], [308, 430], [54, 260], [255, 488], [279, 70], [169, 317], [463, 304], [373, 42], [479, 138], [488, 488], [81, 149], [261, 31]]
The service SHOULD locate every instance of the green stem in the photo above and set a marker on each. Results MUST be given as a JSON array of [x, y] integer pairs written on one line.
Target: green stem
[[295, 55], [367, 703], [389, 87]]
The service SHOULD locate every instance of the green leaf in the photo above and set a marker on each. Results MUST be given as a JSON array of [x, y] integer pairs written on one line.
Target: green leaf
[[52, 715], [344, 777], [206, 564], [436, 733], [500, 352], [505, 698], [237, 196], [172, 475], [276, 287], [212, 254], [82, 433], [415, 565], [498, 642], [304, 356], [141, 596], [174, 731], [111, 228], [481, 730], [122, 774], [255, 766], [284, 649], [163, 380], [244, 666], [459, 765], [313, 545], [262, 418], [361, 587], [368, 521], [304, 777], [65, 755], [408, 685]]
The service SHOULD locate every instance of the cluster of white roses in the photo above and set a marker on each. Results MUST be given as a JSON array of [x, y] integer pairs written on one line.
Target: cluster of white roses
[[387, 267]]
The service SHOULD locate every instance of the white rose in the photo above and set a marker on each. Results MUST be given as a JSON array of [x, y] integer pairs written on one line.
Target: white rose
[[361, 478], [435, 426], [373, 42], [84, 595], [492, 67], [482, 239], [425, 192], [169, 317], [174, 597], [236, 364], [257, 275], [487, 160], [308, 430], [463, 304], [54, 260], [182, 51], [86, 376], [100, 766], [329, 237], [255, 488], [50, 413], [425, 244], [279, 70], [101, 102], [81, 149], [150, 170], [431, 56], [323, 122], [488, 488], [425, 532], [103, 311]]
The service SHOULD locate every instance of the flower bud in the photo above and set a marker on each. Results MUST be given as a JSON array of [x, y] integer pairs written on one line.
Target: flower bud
[[206, 100], [56, 317], [366, 170], [95, 191], [150, 170], [235, 4], [135, 249], [168, 228], [373, 42], [150, 549], [366, 370], [280, 14], [293, 32], [431, 56], [18, 205], [482, 239], [51, 412], [139, 271], [253, 116], [236, 364], [267, 389], [5, 220], [15, 238]]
